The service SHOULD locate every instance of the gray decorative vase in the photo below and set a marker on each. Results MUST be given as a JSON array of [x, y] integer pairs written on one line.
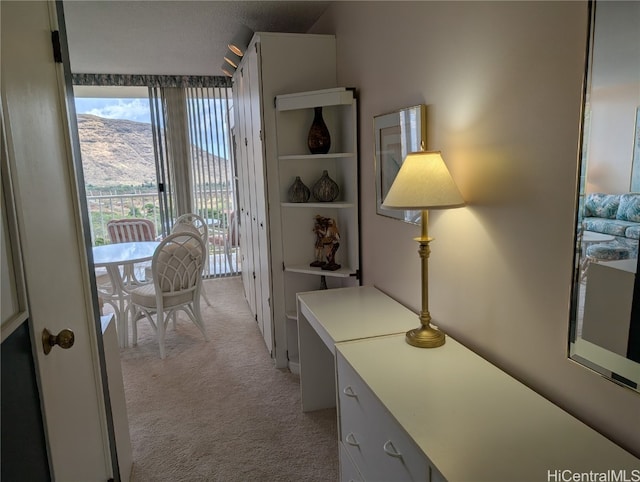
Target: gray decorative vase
[[318, 140], [298, 192], [325, 189]]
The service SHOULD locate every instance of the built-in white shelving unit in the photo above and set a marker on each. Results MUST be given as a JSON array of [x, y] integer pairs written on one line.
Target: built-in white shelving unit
[[294, 116]]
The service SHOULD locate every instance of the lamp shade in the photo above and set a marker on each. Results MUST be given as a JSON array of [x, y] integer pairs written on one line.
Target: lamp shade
[[423, 182], [232, 59], [241, 40]]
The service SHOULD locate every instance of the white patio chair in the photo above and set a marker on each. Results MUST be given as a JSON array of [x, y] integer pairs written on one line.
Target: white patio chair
[[131, 229], [128, 230], [195, 223], [227, 238], [177, 278]]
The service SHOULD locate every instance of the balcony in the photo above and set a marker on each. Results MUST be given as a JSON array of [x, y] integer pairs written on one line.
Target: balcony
[[224, 258]]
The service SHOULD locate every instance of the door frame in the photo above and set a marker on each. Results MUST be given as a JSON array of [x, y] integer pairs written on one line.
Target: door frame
[[66, 93], [57, 99]]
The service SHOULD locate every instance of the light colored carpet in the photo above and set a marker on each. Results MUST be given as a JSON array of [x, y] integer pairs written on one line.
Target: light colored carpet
[[219, 410]]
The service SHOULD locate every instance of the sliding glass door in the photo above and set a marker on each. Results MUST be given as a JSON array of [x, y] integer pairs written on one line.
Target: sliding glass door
[[185, 131]]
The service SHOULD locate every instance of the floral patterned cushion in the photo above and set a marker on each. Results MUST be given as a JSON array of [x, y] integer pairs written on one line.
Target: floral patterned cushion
[[601, 205], [630, 244], [607, 226], [633, 232], [608, 252], [629, 209], [617, 215]]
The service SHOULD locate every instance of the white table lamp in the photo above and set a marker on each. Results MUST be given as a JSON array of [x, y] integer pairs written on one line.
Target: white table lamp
[[424, 183]]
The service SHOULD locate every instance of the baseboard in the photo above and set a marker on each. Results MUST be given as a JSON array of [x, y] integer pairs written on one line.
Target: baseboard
[[294, 367]]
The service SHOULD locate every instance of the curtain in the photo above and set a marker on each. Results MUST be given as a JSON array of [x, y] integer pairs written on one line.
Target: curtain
[[178, 141], [136, 80]]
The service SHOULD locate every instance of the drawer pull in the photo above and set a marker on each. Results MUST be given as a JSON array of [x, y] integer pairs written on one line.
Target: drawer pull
[[351, 440], [348, 391], [391, 450]]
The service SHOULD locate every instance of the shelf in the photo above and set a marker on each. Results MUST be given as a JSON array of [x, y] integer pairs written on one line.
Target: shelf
[[305, 157], [330, 205], [344, 272], [291, 315], [316, 98]]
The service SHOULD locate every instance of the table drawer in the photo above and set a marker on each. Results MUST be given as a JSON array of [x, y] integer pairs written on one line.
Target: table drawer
[[348, 470], [380, 449]]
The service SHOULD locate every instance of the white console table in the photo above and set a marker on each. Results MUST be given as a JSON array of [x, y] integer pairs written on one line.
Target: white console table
[[331, 316], [407, 413]]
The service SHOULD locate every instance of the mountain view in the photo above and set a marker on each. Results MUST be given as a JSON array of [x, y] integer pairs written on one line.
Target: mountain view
[[118, 152]]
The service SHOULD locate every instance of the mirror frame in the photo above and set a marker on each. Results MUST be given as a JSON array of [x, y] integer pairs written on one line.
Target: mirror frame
[[397, 134], [620, 370]]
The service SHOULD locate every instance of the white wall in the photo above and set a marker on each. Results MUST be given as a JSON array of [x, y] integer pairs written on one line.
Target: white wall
[[502, 82]]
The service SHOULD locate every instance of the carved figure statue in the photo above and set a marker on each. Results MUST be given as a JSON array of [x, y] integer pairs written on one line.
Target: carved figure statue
[[331, 244], [320, 230]]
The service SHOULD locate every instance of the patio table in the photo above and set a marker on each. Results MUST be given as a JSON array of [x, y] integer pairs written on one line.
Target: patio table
[[118, 259]]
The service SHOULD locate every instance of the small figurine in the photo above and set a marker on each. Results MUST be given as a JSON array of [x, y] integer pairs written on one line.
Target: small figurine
[[331, 244], [320, 230]]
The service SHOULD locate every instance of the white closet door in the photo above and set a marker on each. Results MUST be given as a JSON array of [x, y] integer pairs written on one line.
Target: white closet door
[[242, 105], [259, 218]]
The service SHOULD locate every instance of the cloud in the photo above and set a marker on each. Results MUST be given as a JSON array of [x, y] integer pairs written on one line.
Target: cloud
[[130, 109]]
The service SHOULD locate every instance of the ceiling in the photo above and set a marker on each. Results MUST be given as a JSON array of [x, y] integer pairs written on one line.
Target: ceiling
[[171, 37]]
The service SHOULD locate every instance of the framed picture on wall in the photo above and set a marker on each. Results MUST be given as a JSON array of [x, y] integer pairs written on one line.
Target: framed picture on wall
[[635, 165], [395, 135]]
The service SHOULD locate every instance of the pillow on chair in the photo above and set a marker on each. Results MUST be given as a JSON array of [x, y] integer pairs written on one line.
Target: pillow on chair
[[601, 205], [629, 209]]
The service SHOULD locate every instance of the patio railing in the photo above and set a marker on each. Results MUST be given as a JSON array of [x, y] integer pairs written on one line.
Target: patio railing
[[223, 256], [105, 207]]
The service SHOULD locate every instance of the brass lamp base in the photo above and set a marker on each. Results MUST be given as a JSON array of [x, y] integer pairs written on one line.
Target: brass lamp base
[[425, 337]]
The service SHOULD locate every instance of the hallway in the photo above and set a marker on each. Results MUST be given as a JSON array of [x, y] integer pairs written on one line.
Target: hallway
[[220, 411]]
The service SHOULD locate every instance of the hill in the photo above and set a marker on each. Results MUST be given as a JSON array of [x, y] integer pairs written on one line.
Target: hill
[[118, 152]]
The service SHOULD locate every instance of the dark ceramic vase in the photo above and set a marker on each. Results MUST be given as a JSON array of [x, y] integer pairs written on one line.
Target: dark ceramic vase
[[325, 189], [298, 192], [319, 140]]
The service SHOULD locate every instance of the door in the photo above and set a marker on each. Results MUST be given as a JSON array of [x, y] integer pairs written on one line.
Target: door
[[245, 181], [259, 201], [57, 280]]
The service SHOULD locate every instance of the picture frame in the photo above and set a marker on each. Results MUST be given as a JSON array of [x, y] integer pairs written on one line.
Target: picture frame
[[397, 134], [635, 162]]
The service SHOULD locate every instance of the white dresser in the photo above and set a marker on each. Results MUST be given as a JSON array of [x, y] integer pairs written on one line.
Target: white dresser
[[333, 316], [407, 413]]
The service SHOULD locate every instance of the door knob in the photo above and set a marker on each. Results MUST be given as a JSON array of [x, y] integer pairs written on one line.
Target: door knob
[[64, 339]]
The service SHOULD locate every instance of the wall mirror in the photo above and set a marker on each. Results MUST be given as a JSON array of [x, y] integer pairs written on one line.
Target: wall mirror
[[397, 134], [605, 312]]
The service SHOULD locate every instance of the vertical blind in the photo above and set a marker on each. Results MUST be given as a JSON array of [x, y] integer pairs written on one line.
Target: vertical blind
[[160, 148], [213, 175], [195, 167]]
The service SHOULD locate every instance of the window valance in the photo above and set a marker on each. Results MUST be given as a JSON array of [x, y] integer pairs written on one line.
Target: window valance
[[135, 80]]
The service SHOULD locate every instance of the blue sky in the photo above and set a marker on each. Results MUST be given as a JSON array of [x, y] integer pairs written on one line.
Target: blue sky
[[137, 109], [130, 109]]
